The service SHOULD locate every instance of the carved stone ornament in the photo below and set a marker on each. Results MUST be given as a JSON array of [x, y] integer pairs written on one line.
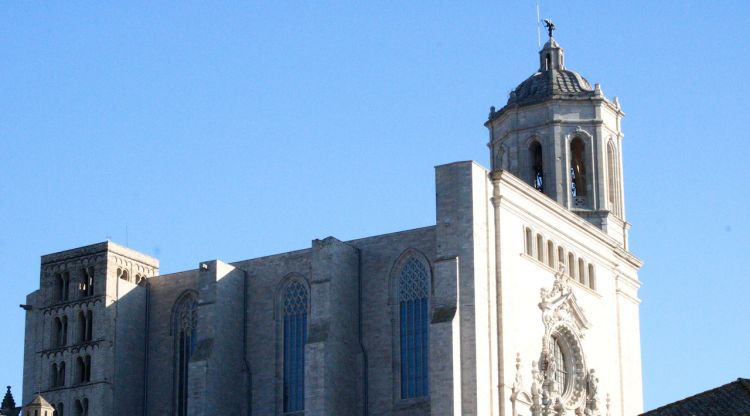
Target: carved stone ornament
[[558, 391]]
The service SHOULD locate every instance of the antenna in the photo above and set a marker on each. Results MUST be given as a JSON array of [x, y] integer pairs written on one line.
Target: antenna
[[127, 240], [538, 27]]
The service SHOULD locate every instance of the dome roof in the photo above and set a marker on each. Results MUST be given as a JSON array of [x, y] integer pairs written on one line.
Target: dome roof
[[553, 83]]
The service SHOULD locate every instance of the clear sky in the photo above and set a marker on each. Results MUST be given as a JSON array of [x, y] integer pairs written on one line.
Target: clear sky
[[201, 130]]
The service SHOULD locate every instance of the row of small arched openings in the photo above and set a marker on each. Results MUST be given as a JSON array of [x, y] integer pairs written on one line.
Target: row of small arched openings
[[82, 372], [553, 255], [84, 328], [84, 284], [124, 274]]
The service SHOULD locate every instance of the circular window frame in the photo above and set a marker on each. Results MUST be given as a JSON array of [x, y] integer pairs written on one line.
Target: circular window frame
[[574, 391]]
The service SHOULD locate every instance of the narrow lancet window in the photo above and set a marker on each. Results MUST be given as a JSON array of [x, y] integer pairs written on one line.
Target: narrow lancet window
[[540, 248], [185, 325], [537, 166], [577, 168], [413, 297], [529, 243], [581, 272], [550, 254], [592, 277], [295, 337]]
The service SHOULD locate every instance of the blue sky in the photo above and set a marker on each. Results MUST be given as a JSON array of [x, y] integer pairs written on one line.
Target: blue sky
[[231, 130]]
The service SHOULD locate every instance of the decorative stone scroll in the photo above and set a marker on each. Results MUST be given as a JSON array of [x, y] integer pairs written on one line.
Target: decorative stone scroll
[[555, 391]]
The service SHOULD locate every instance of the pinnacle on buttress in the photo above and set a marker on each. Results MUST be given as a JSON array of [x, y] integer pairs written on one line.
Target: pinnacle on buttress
[[8, 402]]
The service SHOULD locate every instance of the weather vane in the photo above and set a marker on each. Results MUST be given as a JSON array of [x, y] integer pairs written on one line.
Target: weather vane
[[550, 26]]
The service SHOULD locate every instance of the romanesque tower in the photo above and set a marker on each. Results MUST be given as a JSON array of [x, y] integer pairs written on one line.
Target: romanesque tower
[[85, 328], [562, 136]]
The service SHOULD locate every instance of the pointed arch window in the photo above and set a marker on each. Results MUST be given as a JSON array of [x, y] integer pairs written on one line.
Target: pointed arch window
[[577, 168], [413, 297], [185, 331], [537, 166], [295, 337]]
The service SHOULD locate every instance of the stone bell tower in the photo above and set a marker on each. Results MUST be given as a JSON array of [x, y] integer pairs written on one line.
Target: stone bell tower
[[563, 137]]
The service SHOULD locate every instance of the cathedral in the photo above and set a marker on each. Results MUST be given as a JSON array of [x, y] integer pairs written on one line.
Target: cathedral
[[521, 300]]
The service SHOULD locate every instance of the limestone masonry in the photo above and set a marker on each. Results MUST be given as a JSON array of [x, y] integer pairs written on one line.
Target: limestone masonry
[[522, 299]]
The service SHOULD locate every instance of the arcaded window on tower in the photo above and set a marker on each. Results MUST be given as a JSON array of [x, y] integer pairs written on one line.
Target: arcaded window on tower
[[85, 326], [295, 337], [413, 297], [577, 168], [537, 166], [123, 274], [81, 407], [86, 286], [62, 281], [185, 332]]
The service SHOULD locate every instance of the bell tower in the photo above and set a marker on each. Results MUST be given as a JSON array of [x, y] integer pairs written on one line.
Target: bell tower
[[562, 136]]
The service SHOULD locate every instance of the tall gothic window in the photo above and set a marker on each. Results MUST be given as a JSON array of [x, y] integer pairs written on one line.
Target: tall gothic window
[[295, 337], [413, 295], [537, 166], [577, 168], [185, 326]]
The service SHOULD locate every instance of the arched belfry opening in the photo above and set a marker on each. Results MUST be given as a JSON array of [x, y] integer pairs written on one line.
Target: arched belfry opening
[[578, 171], [537, 166]]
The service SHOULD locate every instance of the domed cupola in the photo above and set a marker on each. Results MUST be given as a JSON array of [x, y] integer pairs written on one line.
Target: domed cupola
[[562, 137], [552, 80]]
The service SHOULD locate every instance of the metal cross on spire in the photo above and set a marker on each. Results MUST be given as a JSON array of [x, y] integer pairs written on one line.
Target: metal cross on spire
[[550, 26]]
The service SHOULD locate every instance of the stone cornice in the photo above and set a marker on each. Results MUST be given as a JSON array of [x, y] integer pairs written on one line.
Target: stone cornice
[[90, 300], [73, 349], [510, 109]]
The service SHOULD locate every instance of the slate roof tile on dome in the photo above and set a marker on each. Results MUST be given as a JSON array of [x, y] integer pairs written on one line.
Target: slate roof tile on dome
[[551, 81], [731, 399], [554, 83]]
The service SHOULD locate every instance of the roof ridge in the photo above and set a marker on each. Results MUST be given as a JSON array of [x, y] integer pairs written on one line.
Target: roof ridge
[[744, 382]]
